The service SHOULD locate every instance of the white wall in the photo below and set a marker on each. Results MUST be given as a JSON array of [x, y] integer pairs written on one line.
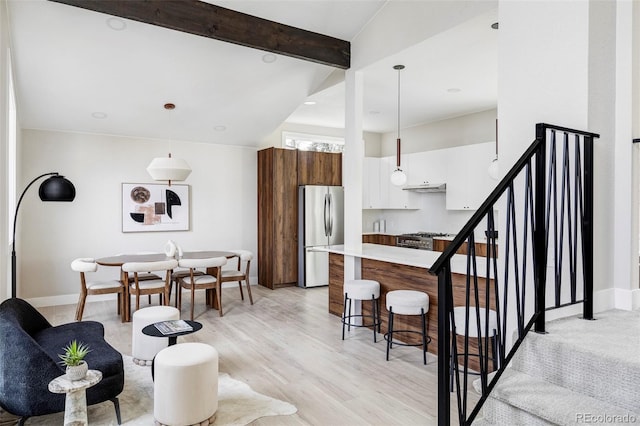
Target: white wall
[[464, 130], [570, 63], [223, 204]]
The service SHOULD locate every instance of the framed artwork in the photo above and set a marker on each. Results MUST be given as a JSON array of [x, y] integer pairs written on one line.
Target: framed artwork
[[149, 207]]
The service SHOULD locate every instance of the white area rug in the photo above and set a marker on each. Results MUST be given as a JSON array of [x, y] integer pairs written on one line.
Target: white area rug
[[238, 404]]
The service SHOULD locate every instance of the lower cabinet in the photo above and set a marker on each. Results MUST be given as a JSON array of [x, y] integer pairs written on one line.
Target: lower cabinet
[[441, 245], [387, 240]]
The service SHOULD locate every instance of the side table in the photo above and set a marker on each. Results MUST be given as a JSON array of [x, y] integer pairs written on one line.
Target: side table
[[75, 403], [152, 330]]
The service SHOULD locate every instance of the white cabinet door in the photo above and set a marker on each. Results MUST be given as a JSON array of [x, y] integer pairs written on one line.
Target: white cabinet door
[[468, 182], [396, 197], [428, 166], [371, 183]]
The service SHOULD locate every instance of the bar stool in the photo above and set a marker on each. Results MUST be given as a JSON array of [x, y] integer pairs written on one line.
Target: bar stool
[[361, 290], [408, 302], [459, 314]]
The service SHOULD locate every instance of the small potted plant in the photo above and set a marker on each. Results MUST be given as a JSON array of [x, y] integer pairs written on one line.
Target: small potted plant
[[73, 359]]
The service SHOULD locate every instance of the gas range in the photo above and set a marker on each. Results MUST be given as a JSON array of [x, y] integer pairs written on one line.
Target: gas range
[[419, 240]]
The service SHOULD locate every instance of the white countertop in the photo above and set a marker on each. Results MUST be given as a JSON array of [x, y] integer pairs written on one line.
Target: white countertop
[[405, 256], [392, 254]]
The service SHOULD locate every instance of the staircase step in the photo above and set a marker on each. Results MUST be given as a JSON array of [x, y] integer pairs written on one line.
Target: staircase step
[[481, 422], [521, 399], [495, 411], [596, 358]]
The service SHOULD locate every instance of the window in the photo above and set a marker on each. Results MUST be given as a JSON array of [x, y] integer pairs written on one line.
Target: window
[[305, 142]]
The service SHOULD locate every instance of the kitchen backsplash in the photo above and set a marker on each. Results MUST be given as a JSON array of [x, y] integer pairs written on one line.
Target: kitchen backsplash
[[432, 217]]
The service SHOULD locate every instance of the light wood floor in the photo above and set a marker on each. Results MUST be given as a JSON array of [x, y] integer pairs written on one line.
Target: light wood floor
[[288, 346]]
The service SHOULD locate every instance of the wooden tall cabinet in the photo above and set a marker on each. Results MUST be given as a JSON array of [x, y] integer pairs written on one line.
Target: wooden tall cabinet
[[277, 217], [280, 171]]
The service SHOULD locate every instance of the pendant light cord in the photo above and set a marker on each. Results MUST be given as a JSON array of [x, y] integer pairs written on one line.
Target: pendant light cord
[[399, 103]]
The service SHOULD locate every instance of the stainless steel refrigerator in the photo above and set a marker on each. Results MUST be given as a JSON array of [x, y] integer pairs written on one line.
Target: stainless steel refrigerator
[[320, 223]]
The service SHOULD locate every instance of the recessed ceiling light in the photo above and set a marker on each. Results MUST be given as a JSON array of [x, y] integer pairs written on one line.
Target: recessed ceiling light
[[116, 24], [454, 90], [495, 25], [310, 103], [220, 128], [269, 58], [99, 115]]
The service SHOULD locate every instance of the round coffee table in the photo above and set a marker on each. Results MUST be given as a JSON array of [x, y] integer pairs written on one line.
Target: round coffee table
[[152, 330]]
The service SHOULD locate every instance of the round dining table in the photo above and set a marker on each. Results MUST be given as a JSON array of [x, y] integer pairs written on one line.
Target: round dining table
[[121, 259]]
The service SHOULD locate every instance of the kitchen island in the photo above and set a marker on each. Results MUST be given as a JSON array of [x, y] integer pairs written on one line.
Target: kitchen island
[[398, 268]]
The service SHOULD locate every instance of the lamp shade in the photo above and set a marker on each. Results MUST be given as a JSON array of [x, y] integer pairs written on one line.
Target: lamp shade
[[168, 168], [398, 177], [57, 188]]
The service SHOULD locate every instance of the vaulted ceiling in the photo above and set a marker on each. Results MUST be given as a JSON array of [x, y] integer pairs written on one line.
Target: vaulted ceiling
[[84, 71]]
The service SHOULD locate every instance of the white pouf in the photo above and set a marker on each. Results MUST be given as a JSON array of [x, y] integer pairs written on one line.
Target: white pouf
[[143, 347], [185, 388]]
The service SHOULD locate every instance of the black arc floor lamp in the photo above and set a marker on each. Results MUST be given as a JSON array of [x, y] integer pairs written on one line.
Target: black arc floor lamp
[[55, 188]]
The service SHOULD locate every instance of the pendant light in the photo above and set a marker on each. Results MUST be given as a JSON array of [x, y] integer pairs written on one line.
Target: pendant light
[[169, 168], [398, 177]]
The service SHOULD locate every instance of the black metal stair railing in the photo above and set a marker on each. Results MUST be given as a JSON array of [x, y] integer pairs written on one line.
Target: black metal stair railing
[[544, 209]]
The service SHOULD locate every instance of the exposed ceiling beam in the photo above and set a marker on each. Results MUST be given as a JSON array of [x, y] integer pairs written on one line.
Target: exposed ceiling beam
[[208, 20]]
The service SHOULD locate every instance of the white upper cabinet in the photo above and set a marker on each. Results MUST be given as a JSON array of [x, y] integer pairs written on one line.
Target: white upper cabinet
[[371, 183], [463, 169], [467, 178], [426, 167], [378, 192], [394, 197]]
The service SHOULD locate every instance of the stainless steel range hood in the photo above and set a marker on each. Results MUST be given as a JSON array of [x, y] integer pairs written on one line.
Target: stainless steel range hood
[[426, 187]]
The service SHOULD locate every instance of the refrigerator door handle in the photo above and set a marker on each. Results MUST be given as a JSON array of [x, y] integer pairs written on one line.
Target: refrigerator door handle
[[330, 216], [327, 213]]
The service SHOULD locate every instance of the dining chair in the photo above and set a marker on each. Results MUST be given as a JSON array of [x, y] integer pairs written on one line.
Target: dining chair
[[85, 265], [195, 282], [143, 276], [149, 286], [175, 278], [230, 275]]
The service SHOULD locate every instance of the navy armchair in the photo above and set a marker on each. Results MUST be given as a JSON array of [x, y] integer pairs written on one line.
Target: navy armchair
[[29, 348]]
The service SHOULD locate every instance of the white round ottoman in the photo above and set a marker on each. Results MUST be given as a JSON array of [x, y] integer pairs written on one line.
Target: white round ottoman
[[185, 388], [143, 347]]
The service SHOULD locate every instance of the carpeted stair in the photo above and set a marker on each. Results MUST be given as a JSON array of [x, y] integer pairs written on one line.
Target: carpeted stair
[[580, 372]]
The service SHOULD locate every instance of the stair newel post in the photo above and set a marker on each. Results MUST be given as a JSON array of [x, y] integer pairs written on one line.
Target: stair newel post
[[587, 228], [445, 308], [540, 231]]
